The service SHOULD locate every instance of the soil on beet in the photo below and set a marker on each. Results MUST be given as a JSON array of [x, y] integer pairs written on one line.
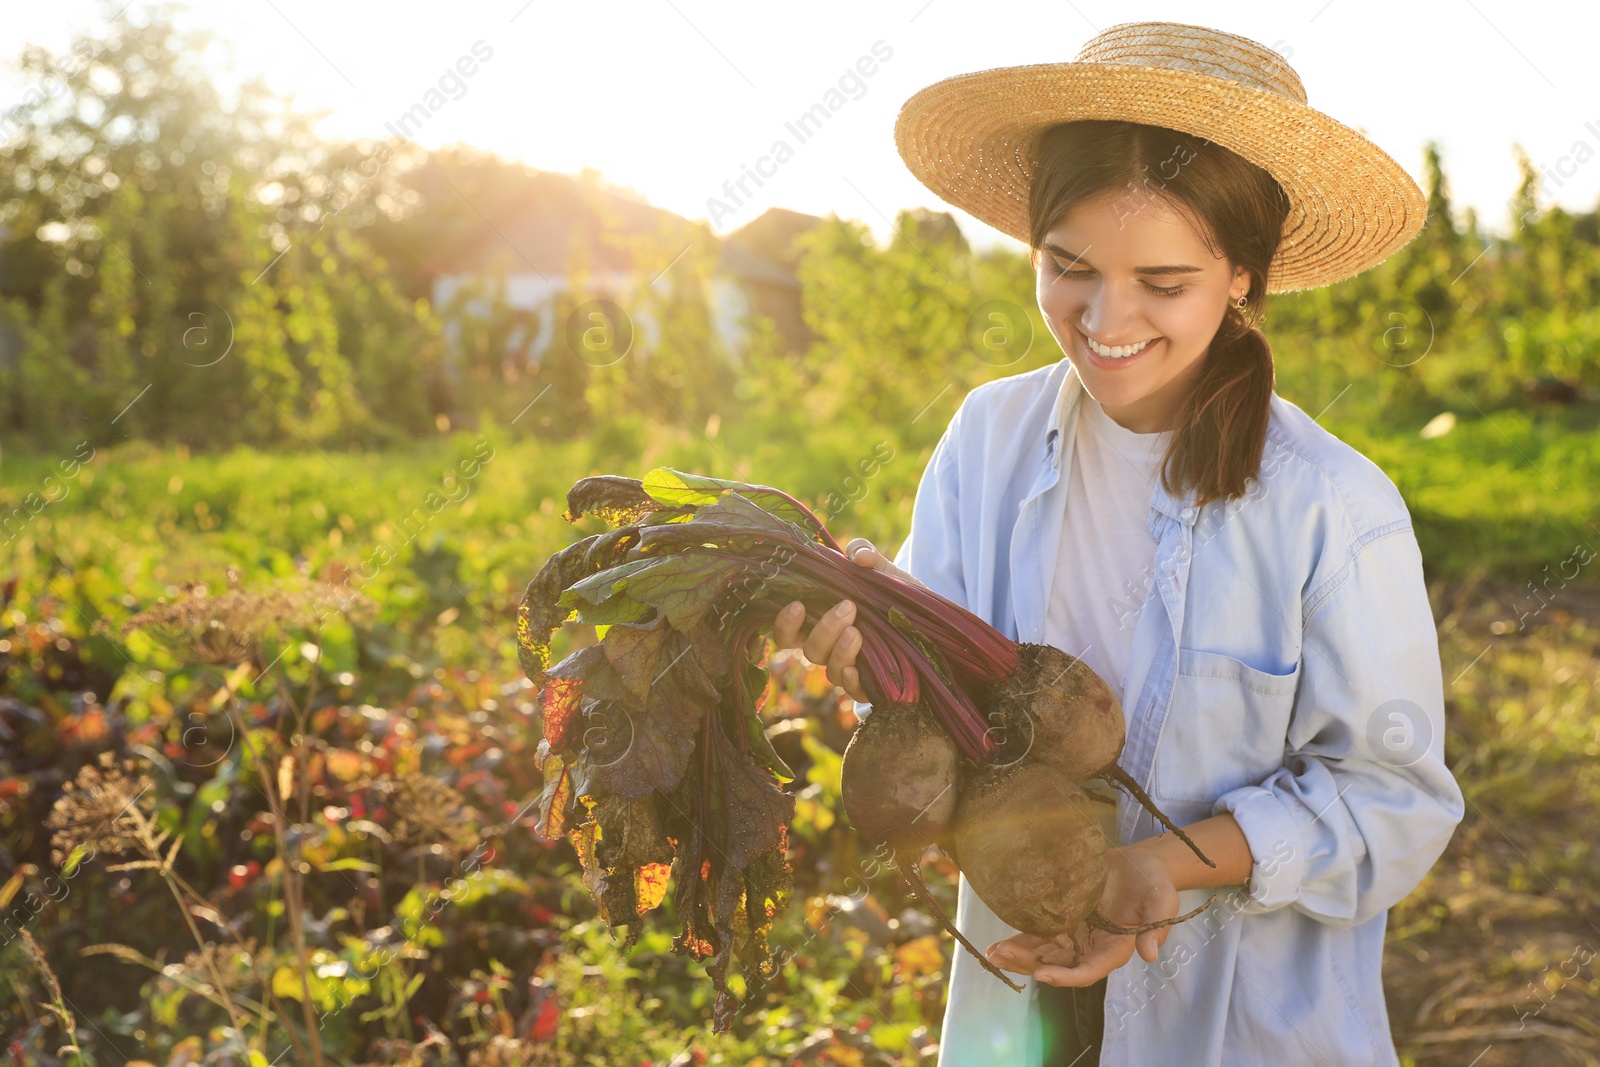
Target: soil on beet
[[1029, 842], [898, 780], [1056, 710]]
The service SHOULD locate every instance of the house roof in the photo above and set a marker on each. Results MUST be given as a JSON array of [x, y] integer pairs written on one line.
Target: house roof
[[559, 217], [563, 216], [772, 235], [747, 264]]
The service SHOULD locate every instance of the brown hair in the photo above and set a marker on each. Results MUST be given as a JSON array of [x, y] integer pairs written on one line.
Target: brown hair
[[1221, 426]]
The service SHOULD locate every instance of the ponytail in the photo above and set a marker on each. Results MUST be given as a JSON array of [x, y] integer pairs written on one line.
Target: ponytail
[[1221, 429]]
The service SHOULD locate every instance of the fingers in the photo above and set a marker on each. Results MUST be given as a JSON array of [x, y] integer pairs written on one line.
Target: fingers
[[818, 646], [786, 630], [843, 657], [1095, 965], [1102, 953], [865, 554], [1018, 953], [833, 642], [1082, 975], [1149, 944], [852, 685]]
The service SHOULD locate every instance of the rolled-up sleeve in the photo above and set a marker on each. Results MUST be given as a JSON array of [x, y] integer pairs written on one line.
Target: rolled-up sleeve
[[931, 551], [1364, 803]]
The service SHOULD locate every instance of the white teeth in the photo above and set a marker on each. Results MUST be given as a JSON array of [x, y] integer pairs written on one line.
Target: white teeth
[[1116, 351]]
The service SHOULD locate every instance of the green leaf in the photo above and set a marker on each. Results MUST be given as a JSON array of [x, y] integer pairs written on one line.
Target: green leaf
[[826, 765], [286, 983], [69, 868], [679, 488], [616, 609], [599, 587], [685, 586]]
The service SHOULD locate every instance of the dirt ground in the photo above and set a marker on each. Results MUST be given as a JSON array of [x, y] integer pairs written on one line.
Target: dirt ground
[[1491, 962]]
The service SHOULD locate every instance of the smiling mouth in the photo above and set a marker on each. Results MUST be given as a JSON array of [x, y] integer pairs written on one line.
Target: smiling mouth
[[1116, 351]]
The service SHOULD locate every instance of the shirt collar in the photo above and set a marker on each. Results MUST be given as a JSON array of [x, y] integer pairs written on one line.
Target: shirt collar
[[1063, 416]]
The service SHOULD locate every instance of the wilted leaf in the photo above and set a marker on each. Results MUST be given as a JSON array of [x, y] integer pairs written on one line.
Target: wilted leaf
[[633, 833], [635, 652], [749, 811], [541, 611], [619, 501], [558, 700], [553, 801], [761, 748], [662, 735], [578, 682], [650, 885]]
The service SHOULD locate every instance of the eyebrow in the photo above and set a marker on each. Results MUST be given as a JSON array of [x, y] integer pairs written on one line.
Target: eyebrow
[[1061, 253]]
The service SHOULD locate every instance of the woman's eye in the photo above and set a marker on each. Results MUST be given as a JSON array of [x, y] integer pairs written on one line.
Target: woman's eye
[[1158, 290]]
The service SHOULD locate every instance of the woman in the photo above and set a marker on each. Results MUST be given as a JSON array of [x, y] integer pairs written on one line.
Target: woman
[[1249, 584]]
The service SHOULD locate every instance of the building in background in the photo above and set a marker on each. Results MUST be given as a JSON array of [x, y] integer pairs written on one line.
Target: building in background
[[570, 224]]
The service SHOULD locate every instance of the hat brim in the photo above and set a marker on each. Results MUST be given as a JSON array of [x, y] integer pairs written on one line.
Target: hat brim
[[970, 139]]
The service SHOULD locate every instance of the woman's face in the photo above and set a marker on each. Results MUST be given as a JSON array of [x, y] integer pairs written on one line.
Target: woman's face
[[1120, 275]]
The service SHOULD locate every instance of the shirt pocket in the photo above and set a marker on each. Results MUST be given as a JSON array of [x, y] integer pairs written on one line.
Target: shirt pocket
[[1226, 727]]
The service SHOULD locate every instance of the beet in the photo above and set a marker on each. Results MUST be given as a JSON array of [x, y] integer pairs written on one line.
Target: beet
[[899, 778], [1031, 847], [977, 742], [1056, 710]]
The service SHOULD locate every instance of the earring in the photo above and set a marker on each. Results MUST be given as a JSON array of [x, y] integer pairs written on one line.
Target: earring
[[1241, 302]]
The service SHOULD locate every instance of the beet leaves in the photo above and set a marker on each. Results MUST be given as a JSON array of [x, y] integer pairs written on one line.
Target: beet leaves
[[655, 763]]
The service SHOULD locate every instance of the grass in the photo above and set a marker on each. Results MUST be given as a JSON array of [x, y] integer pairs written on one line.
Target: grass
[[1486, 958]]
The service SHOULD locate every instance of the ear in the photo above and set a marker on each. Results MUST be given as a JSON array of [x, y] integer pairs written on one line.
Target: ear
[[1241, 284]]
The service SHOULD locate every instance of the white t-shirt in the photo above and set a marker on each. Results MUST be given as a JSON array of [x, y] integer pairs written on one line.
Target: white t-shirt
[[1106, 562]]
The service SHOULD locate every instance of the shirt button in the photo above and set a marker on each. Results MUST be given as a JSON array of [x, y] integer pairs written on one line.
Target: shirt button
[[1188, 513]]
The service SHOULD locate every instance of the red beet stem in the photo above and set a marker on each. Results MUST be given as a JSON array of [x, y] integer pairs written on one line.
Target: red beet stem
[[894, 668], [974, 649]]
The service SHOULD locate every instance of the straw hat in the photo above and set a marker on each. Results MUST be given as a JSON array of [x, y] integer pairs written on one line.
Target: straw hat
[[970, 139]]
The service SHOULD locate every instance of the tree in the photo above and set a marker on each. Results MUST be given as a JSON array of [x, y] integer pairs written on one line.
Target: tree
[[206, 259]]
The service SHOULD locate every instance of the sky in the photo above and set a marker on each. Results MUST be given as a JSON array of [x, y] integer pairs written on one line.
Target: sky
[[673, 98]]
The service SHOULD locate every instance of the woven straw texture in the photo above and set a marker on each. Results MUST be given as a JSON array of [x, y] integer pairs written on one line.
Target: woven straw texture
[[970, 139]]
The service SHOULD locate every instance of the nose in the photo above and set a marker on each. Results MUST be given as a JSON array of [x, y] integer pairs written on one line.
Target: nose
[[1109, 316]]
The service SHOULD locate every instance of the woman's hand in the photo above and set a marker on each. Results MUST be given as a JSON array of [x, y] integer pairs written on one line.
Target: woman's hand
[[832, 640], [1139, 889]]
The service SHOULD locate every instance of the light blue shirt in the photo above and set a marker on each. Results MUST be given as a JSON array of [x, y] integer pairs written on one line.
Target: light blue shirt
[[1285, 668]]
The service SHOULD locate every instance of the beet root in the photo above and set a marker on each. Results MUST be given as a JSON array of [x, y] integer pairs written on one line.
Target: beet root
[[899, 778], [1056, 710], [1031, 847], [1119, 777]]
